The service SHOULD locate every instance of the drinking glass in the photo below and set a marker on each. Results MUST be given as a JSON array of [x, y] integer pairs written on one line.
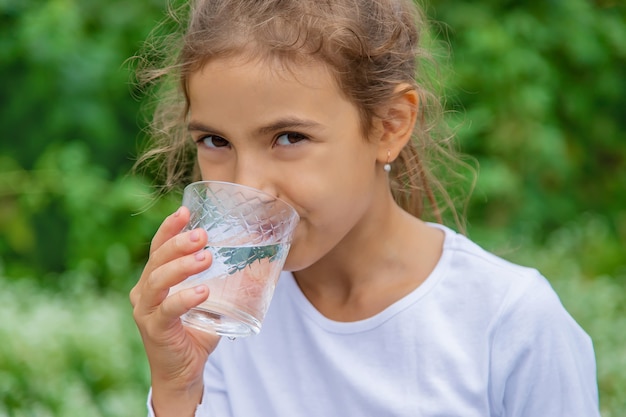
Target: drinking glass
[[249, 235]]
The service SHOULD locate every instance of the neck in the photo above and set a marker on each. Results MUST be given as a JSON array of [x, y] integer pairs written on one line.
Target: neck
[[386, 256]]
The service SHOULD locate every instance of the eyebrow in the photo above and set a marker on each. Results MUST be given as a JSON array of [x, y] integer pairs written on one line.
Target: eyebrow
[[198, 127], [280, 124], [287, 123]]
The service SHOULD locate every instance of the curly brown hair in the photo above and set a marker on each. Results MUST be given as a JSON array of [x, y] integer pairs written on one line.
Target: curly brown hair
[[371, 47]]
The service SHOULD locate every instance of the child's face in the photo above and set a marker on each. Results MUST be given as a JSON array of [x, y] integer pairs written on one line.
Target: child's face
[[298, 139]]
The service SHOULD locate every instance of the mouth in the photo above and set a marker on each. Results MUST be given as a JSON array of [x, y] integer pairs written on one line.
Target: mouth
[[275, 231]]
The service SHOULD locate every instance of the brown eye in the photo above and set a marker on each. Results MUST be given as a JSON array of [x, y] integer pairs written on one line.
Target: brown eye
[[289, 138], [213, 141]]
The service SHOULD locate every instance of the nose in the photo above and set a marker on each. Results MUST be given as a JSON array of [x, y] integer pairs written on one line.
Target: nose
[[252, 171]]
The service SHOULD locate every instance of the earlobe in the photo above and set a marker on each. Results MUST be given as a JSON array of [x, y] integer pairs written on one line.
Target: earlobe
[[398, 122], [387, 166]]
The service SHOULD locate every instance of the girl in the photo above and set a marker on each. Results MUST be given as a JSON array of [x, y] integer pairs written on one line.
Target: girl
[[382, 314]]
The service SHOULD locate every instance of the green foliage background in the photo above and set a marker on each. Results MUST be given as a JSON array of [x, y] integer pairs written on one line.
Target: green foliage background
[[537, 91]]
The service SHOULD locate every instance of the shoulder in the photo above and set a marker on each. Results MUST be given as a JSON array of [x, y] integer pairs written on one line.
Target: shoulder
[[466, 255], [520, 290], [519, 306], [490, 281], [541, 361]]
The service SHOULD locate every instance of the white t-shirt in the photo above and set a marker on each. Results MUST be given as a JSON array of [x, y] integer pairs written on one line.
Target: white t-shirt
[[480, 337]]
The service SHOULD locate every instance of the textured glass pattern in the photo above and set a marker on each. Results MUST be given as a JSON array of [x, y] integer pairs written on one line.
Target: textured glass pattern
[[240, 216]]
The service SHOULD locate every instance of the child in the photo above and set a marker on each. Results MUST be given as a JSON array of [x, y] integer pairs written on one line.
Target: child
[[382, 314]]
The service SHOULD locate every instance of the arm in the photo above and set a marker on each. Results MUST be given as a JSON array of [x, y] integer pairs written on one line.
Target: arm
[[176, 354]]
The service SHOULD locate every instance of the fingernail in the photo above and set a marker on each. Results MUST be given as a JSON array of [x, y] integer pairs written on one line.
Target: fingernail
[[200, 289], [200, 256], [177, 212], [194, 236]]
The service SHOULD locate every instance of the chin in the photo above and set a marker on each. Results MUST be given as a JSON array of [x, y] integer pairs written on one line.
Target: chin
[[295, 265], [297, 261]]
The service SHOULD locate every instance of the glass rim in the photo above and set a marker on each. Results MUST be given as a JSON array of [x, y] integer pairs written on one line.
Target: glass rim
[[247, 187]]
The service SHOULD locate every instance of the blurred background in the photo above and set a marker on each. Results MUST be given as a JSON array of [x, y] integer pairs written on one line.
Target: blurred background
[[536, 91]]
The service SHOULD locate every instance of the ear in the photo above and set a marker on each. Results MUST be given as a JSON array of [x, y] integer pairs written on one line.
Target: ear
[[396, 123]]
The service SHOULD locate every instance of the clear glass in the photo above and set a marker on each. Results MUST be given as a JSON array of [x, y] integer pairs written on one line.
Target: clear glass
[[249, 234]]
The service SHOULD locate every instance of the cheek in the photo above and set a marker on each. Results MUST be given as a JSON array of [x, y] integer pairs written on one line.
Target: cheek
[[327, 215], [213, 172], [309, 239], [297, 261], [302, 252]]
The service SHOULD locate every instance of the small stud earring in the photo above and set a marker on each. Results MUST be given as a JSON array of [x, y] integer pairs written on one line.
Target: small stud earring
[[387, 166]]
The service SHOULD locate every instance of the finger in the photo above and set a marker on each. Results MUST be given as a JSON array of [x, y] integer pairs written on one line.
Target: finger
[[158, 283], [177, 246], [165, 323], [180, 303], [171, 226]]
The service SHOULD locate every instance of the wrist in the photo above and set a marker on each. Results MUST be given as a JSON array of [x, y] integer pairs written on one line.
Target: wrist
[[176, 401]]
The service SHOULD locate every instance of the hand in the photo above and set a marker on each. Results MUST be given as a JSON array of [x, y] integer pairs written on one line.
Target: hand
[[176, 353]]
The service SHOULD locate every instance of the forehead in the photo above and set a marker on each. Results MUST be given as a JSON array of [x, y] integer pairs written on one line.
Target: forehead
[[271, 74], [298, 70], [280, 67], [262, 91]]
